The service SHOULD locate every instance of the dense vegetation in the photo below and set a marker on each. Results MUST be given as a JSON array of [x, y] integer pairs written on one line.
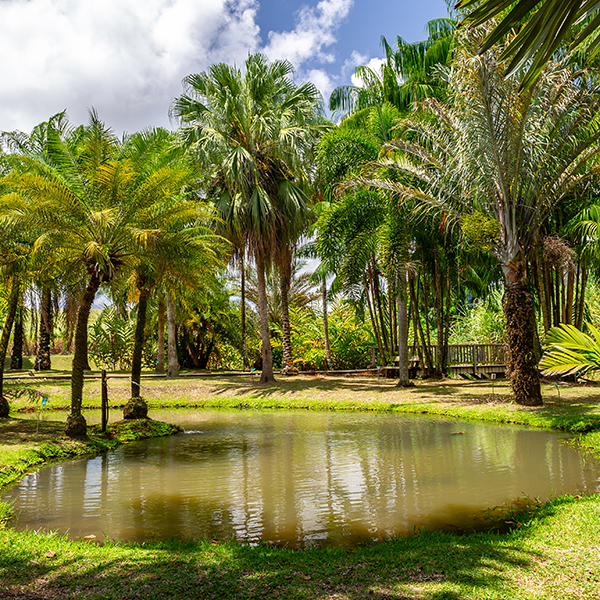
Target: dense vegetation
[[448, 203]]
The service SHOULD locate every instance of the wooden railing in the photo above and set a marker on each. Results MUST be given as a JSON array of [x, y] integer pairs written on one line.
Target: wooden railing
[[458, 354]]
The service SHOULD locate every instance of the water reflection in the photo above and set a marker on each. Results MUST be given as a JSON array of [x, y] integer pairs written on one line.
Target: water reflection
[[301, 478]]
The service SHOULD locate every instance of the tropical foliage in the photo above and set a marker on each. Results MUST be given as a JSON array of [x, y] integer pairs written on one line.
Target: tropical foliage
[[451, 203]]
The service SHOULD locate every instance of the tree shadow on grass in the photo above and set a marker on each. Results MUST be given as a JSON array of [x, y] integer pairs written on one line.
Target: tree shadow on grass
[[435, 566], [18, 431]]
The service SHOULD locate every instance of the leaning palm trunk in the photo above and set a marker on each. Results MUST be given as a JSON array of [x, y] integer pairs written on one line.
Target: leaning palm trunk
[[172, 362], [137, 408], [13, 303], [76, 425], [266, 352]]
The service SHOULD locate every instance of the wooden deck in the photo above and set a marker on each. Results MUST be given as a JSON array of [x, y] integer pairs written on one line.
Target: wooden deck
[[481, 361]]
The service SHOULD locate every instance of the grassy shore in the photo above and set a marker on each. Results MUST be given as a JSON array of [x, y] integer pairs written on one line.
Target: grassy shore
[[552, 551]]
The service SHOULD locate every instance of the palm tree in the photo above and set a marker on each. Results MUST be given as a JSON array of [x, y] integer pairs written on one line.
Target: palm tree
[[79, 199], [249, 131], [15, 261], [502, 156], [542, 27], [182, 248]]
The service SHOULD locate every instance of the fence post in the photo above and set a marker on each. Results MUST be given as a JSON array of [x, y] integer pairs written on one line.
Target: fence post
[[104, 401], [475, 353]]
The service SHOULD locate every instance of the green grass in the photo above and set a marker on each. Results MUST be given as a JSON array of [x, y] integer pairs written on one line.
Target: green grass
[[551, 552]]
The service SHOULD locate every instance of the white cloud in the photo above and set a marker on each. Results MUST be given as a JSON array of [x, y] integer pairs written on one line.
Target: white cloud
[[375, 64], [314, 31], [324, 82], [126, 58]]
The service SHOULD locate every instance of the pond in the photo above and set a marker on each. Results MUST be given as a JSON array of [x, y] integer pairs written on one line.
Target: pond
[[301, 479]]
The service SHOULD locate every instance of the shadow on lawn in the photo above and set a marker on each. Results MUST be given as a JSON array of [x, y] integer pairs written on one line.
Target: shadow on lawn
[[399, 568], [23, 430]]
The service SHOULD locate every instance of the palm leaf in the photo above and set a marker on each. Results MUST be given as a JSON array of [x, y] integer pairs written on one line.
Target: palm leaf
[[569, 351]]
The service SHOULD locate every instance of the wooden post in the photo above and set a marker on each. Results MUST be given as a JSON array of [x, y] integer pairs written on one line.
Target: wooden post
[[104, 401], [475, 353]]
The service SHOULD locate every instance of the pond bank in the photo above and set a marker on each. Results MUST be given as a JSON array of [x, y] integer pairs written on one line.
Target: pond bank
[[551, 552], [23, 447]]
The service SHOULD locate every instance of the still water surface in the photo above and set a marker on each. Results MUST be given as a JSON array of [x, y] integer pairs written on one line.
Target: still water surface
[[301, 478]]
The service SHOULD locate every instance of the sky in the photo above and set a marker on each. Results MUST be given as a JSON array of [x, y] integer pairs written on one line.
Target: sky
[[126, 58]]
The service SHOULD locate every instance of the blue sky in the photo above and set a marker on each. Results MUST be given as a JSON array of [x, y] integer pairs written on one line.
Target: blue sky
[[127, 58]]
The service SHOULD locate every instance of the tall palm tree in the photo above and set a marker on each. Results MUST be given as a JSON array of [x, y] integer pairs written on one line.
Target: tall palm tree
[[249, 131], [503, 156], [79, 199]]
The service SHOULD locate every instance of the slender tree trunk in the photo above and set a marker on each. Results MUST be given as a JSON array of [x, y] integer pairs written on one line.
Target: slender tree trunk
[[581, 308], [172, 363], [326, 323], [414, 300], [438, 307], [377, 302], [43, 362], [160, 359], [403, 380], [76, 425], [246, 362], [570, 290], [556, 298], [563, 297], [137, 408], [266, 352], [543, 294], [16, 359], [374, 322], [13, 303], [447, 325], [285, 276], [521, 366]]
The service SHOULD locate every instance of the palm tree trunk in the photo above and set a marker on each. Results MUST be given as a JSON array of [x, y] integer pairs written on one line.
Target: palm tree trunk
[[326, 324], [438, 307], [137, 408], [43, 362], [581, 307], [13, 303], [160, 359], [266, 352], [403, 380], [16, 359], [570, 293], [172, 363], [521, 365], [246, 362], [285, 274], [374, 321], [76, 425], [542, 292]]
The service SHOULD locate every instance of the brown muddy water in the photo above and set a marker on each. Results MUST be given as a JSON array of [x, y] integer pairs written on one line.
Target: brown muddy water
[[301, 479]]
